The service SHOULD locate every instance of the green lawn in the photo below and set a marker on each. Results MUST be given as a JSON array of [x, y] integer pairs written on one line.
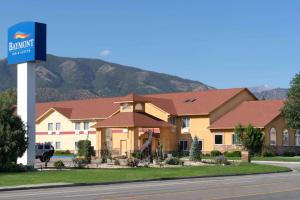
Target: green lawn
[[257, 158], [111, 175]]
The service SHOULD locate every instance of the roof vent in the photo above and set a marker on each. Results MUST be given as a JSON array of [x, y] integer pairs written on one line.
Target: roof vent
[[190, 100], [193, 100], [186, 101]]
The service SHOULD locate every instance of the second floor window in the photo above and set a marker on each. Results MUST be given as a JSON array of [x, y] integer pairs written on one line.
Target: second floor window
[[86, 126], [172, 121], [50, 126], [77, 126], [57, 126], [185, 122]]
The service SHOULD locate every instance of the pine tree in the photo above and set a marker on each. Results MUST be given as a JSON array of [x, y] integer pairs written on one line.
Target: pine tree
[[291, 110], [195, 151]]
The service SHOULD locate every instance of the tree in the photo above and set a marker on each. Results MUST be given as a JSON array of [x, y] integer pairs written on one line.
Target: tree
[[13, 142], [85, 149], [291, 109], [195, 151], [250, 137], [8, 98]]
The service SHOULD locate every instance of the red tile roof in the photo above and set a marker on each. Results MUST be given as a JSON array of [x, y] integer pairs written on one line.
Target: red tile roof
[[258, 113], [132, 119], [82, 109], [184, 103], [194, 103]]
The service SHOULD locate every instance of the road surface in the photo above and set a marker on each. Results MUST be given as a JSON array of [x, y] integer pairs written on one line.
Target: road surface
[[267, 187]]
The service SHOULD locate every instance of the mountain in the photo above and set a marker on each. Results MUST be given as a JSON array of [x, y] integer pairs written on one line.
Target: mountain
[[260, 88], [277, 93], [62, 78]]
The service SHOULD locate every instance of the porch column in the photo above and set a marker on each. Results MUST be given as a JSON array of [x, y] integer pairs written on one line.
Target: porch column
[[133, 137], [100, 141]]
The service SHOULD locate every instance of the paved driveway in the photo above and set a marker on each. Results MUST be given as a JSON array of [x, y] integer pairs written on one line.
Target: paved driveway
[[292, 165]]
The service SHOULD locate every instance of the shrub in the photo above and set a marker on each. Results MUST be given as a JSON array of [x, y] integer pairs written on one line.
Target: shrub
[[221, 160], [137, 154], [59, 164], [133, 162], [173, 161], [289, 154], [215, 153], [67, 152], [195, 152], [268, 153], [116, 162], [233, 154], [85, 149]]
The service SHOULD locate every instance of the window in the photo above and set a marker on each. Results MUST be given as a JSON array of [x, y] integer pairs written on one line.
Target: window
[[172, 120], [273, 137], [297, 138], [218, 139], [201, 145], [57, 126], [57, 145], [235, 139], [183, 145], [86, 126], [50, 126], [286, 138], [186, 122], [77, 126], [76, 146]]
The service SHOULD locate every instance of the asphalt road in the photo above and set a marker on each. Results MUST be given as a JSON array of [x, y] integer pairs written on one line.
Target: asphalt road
[[270, 186]]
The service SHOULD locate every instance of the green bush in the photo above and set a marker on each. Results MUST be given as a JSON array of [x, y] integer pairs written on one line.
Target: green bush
[[180, 154], [79, 163], [133, 162], [173, 161], [58, 152], [233, 153], [85, 149], [289, 154], [215, 153], [195, 152], [268, 153], [137, 154], [59, 164]]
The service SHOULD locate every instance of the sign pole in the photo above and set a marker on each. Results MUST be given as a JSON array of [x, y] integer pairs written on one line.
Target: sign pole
[[27, 44], [26, 107]]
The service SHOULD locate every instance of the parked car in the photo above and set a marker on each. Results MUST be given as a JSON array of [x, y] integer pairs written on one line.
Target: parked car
[[44, 151]]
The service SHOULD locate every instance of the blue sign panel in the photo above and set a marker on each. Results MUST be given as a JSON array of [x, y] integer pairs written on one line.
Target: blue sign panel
[[26, 42]]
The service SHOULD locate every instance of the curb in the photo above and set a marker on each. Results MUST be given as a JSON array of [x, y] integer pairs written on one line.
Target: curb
[[132, 181]]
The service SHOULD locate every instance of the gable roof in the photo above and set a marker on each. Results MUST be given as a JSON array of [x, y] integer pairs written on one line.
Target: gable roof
[[257, 113], [182, 103], [194, 103], [132, 119], [98, 108]]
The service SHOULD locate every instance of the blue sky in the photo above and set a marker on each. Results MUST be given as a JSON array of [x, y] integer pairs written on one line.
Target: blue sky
[[221, 43]]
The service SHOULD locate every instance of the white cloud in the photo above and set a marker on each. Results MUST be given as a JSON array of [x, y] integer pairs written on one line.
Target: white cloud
[[105, 53]]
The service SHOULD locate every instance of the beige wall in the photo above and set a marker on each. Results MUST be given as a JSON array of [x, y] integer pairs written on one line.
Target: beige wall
[[157, 112], [280, 125], [66, 136]]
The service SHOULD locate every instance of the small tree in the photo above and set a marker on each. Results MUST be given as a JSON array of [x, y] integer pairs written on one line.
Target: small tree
[[195, 151], [13, 141], [85, 149], [291, 109], [251, 138], [8, 98]]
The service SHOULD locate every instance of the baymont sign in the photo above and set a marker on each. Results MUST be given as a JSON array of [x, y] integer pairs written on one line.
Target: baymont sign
[[26, 42]]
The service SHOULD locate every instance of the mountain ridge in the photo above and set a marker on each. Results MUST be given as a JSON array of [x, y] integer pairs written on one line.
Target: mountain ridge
[[62, 78]]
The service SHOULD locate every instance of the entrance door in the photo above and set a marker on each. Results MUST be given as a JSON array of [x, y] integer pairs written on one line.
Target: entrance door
[[123, 145]]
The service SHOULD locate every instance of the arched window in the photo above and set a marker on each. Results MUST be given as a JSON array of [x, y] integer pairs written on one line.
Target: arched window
[[297, 138], [273, 137], [285, 138]]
